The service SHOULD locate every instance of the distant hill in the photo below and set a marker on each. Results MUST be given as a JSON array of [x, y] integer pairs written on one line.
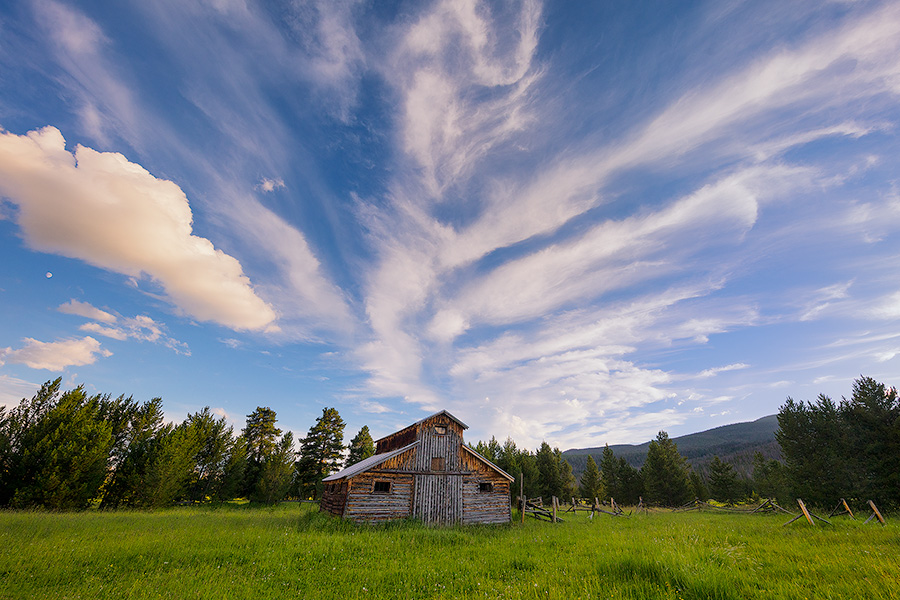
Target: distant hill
[[733, 443]]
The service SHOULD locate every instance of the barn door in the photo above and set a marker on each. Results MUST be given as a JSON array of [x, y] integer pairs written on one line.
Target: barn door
[[438, 498]]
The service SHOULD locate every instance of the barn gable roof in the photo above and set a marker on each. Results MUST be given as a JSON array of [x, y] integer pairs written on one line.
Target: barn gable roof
[[417, 423], [368, 463], [488, 463]]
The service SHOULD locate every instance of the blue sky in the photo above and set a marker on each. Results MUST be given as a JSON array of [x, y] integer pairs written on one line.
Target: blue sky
[[579, 222]]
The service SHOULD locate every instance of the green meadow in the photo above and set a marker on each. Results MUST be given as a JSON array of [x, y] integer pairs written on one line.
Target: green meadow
[[292, 551]]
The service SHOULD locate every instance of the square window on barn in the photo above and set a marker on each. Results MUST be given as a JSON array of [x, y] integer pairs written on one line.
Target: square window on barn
[[437, 463], [440, 429], [382, 487], [485, 488]]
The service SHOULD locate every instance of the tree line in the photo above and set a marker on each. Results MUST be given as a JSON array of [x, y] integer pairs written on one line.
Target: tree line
[[69, 450], [830, 451]]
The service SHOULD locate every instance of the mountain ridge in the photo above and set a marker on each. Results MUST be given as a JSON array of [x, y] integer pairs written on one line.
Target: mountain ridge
[[735, 443]]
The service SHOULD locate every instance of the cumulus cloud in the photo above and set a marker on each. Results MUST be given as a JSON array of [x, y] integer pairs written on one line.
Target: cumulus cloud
[[84, 309], [55, 356], [112, 213]]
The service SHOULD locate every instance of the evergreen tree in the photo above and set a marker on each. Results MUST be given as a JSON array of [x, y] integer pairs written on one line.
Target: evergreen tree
[[127, 484], [609, 475], [770, 479], [490, 450], [590, 481], [723, 481], [59, 459], [361, 447], [631, 483], [698, 487], [871, 425], [665, 473], [233, 471], [216, 446], [276, 472], [549, 483], [320, 451], [261, 439], [810, 436], [167, 468], [567, 482], [520, 464]]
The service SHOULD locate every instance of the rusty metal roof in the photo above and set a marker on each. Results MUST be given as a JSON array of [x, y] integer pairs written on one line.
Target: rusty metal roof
[[365, 465]]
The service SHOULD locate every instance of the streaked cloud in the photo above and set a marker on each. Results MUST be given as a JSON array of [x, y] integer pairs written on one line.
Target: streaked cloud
[[83, 309]]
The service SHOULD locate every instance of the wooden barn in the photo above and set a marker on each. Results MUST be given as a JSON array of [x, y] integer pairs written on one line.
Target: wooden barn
[[423, 471]]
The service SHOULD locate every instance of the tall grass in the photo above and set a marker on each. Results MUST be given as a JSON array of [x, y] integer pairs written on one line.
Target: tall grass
[[291, 551]]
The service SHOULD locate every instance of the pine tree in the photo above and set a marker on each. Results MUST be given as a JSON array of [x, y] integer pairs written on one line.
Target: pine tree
[[261, 439], [665, 473], [723, 481], [361, 447], [549, 483], [568, 485], [320, 451], [590, 481], [631, 482], [62, 455], [276, 472], [609, 475], [260, 433]]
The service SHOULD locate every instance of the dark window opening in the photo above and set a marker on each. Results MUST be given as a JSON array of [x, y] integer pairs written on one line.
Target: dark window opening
[[437, 463], [440, 429], [382, 487], [485, 488]]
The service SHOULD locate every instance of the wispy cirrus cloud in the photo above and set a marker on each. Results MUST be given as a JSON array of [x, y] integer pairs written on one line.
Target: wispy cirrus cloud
[[498, 282]]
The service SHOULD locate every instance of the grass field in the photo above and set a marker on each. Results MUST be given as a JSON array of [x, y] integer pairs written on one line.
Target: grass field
[[291, 551]]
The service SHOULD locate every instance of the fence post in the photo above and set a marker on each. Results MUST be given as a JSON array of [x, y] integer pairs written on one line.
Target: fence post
[[522, 494]]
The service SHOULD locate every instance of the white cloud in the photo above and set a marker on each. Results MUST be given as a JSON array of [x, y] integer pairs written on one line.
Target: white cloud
[[84, 309], [55, 356], [13, 389], [716, 370], [887, 308], [105, 210], [105, 104], [270, 185], [110, 332]]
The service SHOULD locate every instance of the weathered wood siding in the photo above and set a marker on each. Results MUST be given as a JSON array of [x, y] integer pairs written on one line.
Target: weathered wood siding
[[434, 445], [334, 497], [437, 480], [396, 440], [478, 506], [365, 505], [485, 507], [438, 498]]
